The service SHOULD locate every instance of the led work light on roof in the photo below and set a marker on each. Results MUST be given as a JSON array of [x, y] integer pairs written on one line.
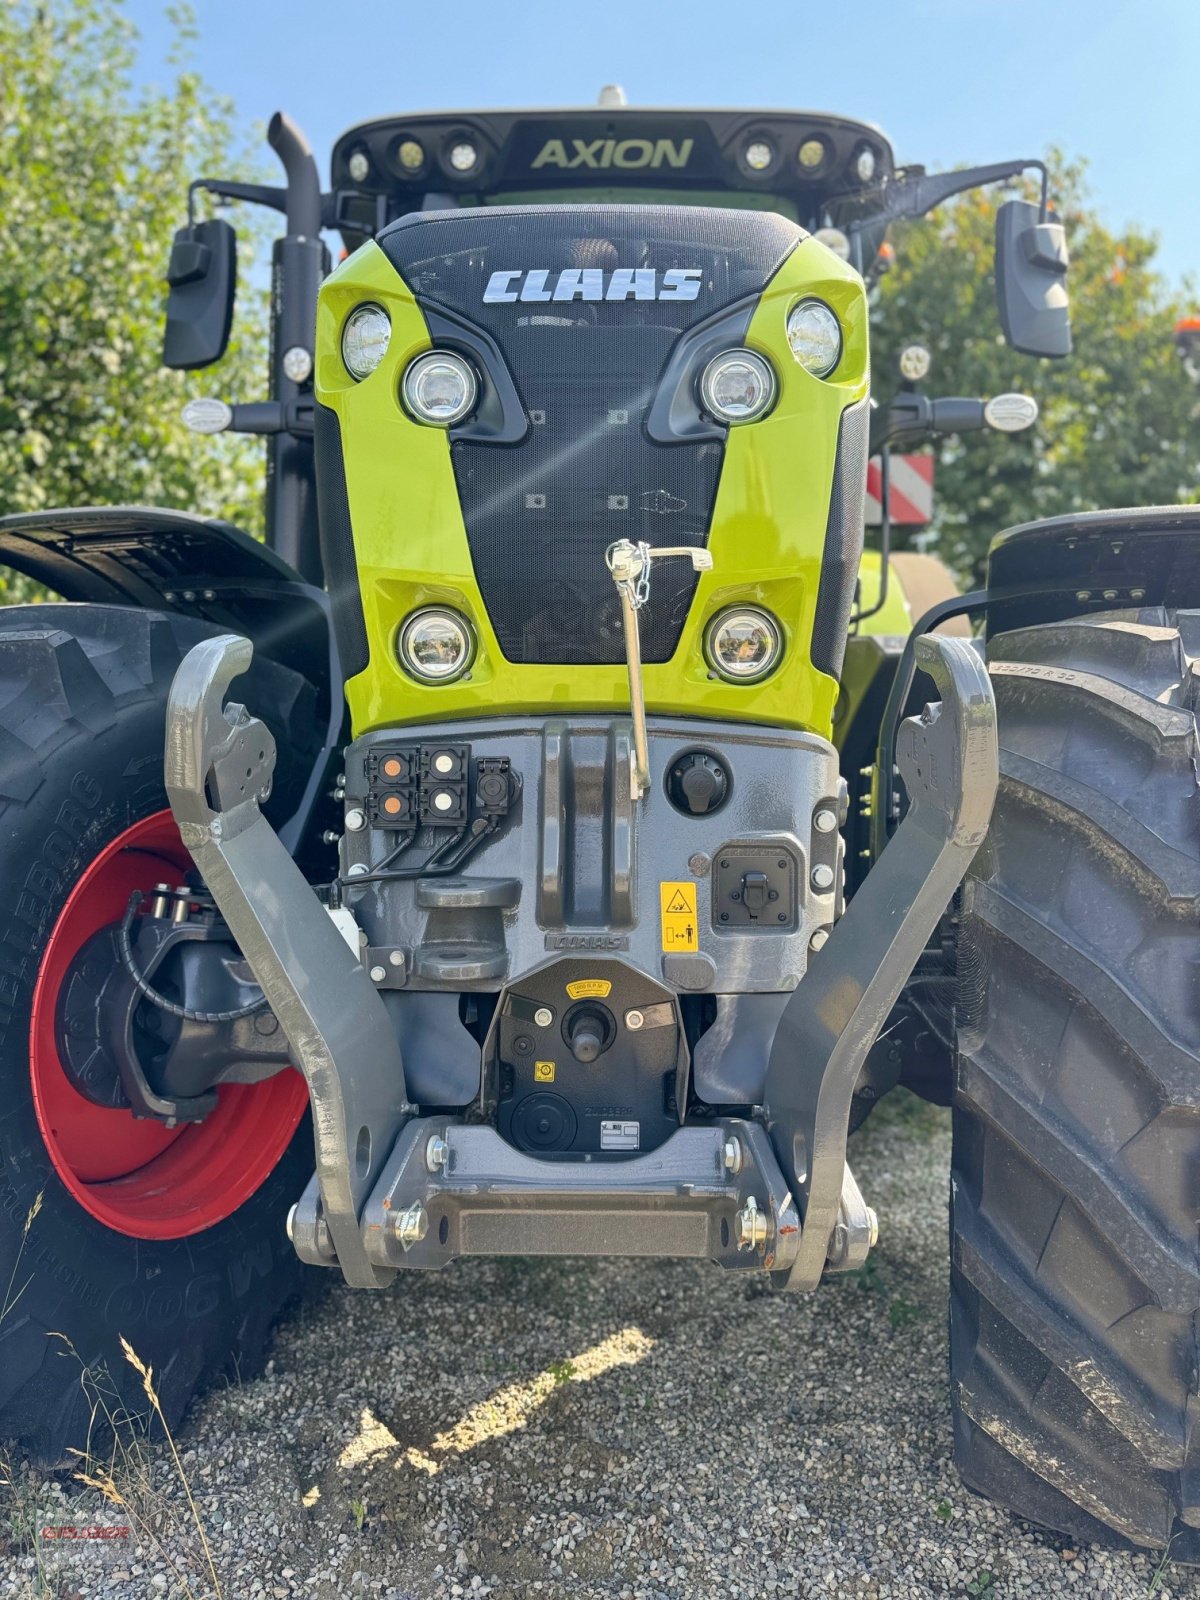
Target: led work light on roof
[[815, 336], [463, 156], [365, 339], [811, 154], [758, 155], [359, 167], [864, 164], [737, 386], [440, 388], [743, 644], [410, 155], [436, 646]]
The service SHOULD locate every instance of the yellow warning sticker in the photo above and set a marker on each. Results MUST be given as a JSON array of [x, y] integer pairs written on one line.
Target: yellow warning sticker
[[543, 1072], [680, 927], [589, 988]]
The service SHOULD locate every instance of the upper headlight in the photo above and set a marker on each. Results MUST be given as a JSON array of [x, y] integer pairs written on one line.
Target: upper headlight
[[737, 386], [365, 339], [815, 336], [440, 388]]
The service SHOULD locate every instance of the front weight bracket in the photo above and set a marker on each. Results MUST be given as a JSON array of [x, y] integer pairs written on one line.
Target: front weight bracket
[[949, 763], [219, 762]]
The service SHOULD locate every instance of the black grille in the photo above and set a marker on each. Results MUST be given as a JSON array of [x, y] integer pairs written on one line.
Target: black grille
[[539, 515]]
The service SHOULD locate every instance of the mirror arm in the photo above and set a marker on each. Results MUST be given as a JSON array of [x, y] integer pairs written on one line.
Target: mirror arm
[[255, 194], [916, 194]]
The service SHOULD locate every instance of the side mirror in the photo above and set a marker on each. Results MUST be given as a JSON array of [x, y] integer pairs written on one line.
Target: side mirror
[[1031, 287], [202, 274]]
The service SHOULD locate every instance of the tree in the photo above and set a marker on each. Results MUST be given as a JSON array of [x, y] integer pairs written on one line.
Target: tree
[[1118, 423], [93, 183]]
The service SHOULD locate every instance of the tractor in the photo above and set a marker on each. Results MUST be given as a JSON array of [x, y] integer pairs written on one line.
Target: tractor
[[559, 833]]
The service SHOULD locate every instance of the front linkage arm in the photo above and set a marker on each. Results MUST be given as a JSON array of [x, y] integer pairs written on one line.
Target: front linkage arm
[[218, 766], [949, 764]]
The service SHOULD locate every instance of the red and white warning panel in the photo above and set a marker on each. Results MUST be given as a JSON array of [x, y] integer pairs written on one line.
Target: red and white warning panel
[[910, 490]]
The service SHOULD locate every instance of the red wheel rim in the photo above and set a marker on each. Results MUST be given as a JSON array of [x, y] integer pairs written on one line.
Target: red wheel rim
[[139, 1177]]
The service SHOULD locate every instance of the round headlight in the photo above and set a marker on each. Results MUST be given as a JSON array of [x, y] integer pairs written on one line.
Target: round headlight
[[758, 155], [737, 386], [743, 644], [365, 340], [440, 388], [436, 646], [812, 153], [815, 336], [864, 164], [463, 156], [359, 166], [410, 155]]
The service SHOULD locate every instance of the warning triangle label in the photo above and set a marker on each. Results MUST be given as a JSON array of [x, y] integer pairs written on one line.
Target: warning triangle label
[[677, 903]]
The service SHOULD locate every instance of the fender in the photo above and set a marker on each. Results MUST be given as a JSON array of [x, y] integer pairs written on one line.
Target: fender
[[198, 566], [1092, 561]]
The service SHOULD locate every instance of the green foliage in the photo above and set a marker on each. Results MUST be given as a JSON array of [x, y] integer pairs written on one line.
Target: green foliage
[[1119, 416], [93, 183]]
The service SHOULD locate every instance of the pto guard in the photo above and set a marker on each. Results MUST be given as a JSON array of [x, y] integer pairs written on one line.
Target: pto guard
[[395, 1190]]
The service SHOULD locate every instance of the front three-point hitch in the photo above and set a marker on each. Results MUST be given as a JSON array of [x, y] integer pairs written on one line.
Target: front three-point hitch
[[397, 1186]]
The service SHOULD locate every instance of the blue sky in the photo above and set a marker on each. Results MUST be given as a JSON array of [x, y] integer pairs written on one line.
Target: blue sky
[[949, 80]]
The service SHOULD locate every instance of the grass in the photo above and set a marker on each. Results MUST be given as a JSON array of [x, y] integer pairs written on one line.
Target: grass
[[1159, 1575], [10, 1299], [21, 1516], [20, 1523], [124, 1474]]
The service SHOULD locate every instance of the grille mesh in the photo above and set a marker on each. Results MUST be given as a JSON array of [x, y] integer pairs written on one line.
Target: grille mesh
[[539, 515]]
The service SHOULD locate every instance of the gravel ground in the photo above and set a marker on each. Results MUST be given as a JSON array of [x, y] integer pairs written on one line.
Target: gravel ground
[[609, 1428]]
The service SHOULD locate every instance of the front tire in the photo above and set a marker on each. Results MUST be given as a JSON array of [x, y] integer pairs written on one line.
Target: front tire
[[170, 1238], [1075, 1290]]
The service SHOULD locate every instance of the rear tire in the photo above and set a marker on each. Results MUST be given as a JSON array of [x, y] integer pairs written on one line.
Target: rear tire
[[83, 693], [1075, 1288]]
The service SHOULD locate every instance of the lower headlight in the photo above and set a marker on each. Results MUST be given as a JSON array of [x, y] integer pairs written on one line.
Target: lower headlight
[[440, 388], [365, 340], [436, 646], [737, 386], [815, 335], [743, 644]]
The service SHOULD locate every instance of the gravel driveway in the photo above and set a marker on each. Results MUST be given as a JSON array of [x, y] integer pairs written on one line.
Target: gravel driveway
[[606, 1428]]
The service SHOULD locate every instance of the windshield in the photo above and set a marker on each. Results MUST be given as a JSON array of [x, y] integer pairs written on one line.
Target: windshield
[[594, 196]]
